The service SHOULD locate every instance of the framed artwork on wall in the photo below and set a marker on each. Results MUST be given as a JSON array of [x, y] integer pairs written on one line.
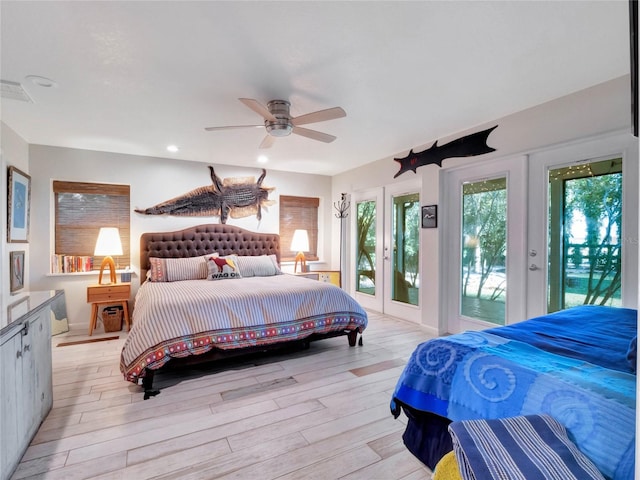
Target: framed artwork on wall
[[429, 216], [19, 194], [16, 271], [17, 309]]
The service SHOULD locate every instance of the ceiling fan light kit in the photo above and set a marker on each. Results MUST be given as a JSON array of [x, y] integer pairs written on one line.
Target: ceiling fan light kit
[[278, 121], [282, 126]]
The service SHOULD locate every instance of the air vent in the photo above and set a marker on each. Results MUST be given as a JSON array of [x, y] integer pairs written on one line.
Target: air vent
[[14, 91]]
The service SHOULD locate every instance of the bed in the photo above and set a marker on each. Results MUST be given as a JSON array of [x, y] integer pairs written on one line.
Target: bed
[[212, 291], [576, 365]]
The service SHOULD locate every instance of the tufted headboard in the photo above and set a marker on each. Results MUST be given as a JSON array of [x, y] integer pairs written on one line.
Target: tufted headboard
[[204, 239]]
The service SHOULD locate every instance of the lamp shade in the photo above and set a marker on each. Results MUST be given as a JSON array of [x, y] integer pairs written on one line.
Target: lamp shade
[[108, 242], [300, 241]]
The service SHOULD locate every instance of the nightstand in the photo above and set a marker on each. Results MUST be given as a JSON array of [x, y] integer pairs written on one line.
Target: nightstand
[[105, 294], [327, 276]]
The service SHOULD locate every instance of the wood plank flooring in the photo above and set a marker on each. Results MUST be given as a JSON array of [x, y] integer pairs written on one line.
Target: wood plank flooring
[[321, 413]]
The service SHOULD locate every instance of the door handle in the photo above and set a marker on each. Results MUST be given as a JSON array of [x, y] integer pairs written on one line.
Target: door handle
[[533, 267]]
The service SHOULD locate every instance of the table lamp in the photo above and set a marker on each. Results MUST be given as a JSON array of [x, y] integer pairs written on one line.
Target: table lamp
[[108, 244], [300, 244]]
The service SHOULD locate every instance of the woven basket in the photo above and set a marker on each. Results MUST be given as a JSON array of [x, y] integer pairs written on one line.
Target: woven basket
[[112, 319]]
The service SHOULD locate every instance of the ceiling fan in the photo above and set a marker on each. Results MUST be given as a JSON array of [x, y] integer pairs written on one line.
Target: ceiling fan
[[279, 122]]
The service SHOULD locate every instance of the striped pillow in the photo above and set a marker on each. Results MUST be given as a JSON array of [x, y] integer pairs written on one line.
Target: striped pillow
[[258, 266], [176, 269], [527, 446]]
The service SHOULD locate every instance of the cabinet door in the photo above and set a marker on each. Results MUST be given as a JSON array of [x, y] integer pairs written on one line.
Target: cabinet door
[[29, 409], [10, 403], [40, 339]]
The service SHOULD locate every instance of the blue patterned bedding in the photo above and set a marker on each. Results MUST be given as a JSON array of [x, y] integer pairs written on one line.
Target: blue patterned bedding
[[477, 375]]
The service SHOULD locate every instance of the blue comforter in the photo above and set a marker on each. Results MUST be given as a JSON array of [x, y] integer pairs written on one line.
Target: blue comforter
[[497, 374], [598, 335]]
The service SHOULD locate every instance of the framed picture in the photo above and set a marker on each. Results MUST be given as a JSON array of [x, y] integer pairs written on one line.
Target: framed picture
[[17, 309], [19, 194], [429, 216], [16, 271]]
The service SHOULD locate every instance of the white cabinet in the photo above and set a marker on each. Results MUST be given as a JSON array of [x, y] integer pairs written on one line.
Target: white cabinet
[[26, 393], [11, 391]]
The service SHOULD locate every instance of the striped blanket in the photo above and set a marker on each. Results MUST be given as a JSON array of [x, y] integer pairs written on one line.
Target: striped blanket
[[191, 317]]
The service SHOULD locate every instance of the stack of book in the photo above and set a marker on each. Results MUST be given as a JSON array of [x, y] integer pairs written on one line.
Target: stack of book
[[71, 263]]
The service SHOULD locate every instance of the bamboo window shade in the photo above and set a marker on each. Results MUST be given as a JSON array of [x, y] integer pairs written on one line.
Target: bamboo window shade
[[81, 209], [298, 213]]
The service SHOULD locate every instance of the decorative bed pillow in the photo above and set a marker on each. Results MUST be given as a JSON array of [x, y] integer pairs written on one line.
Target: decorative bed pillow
[[527, 446], [221, 268], [258, 266], [176, 269]]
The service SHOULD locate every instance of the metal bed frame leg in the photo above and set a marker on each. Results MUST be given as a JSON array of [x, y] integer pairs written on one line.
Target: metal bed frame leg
[[353, 337], [147, 384]]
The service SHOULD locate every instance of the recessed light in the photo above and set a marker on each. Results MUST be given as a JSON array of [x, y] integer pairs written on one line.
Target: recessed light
[[172, 148], [41, 81], [263, 159]]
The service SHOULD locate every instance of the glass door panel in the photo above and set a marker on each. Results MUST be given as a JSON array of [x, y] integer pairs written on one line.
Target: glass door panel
[[367, 264], [405, 280], [366, 247], [585, 232], [483, 276]]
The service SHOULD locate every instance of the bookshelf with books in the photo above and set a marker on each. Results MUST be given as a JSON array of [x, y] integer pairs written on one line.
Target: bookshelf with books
[[61, 263]]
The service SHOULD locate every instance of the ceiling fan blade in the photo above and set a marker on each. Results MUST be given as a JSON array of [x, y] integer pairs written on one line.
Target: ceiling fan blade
[[231, 127], [314, 135], [319, 116], [260, 109], [267, 142]]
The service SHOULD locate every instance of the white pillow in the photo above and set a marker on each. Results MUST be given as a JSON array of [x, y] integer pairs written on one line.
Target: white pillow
[[221, 268], [258, 266]]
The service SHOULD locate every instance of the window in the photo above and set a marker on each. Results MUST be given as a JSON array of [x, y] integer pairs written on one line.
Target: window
[[298, 213], [80, 210]]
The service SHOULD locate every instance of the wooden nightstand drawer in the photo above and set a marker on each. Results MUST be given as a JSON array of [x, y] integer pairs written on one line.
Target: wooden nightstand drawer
[[105, 293]]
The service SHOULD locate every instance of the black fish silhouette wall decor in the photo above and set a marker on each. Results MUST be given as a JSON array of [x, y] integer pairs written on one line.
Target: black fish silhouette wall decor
[[468, 146], [234, 197]]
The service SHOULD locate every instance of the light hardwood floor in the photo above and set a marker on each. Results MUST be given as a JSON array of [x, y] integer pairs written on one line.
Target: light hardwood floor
[[320, 413]]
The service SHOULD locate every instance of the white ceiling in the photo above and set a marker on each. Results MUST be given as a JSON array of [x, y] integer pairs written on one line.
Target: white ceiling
[[133, 77]]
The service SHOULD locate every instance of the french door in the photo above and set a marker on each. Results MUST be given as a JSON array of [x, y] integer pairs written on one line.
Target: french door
[[583, 234], [485, 207], [531, 235], [386, 229]]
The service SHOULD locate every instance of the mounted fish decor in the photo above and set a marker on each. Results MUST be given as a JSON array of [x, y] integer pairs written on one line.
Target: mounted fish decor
[[468, 146], [231, 197]]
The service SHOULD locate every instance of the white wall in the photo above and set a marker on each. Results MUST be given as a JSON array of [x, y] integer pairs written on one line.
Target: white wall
[[14, 151], [152, 180], [597, 110]]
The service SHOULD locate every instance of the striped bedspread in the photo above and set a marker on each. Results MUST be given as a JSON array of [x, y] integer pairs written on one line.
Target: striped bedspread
[[178, 319]]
